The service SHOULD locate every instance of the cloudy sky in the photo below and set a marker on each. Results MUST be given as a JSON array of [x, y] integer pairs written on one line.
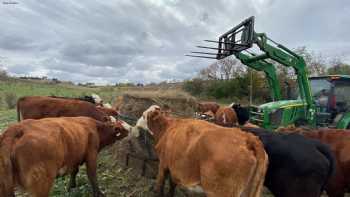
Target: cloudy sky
[[145, 40]]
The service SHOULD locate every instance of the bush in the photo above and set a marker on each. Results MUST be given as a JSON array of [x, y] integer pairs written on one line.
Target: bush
[[3, 74], [10, 100], [233, 89], [195, 86]]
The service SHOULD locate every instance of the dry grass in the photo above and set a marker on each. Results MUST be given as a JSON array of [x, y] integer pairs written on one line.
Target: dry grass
[[160, 93], [133, 103]]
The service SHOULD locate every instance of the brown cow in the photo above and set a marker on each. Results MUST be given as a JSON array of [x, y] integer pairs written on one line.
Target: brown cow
[[108, 111], [34, 152], [250, 125], [226, 116], [37, 107], [208, 106], [339, 141], [205, 157]]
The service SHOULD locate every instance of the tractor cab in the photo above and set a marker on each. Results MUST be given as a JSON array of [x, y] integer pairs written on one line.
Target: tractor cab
[[332, 96]]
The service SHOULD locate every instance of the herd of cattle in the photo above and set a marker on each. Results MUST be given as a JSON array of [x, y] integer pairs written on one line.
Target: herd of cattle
[[232, 157]]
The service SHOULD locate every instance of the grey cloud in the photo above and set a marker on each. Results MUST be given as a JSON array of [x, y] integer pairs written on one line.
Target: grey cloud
[[145, 40]]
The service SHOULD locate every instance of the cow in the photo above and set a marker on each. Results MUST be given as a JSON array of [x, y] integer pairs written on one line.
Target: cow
[[104, 107], [208, 106], [34, 152], [251, 125], [97, 99], [108, 111], [89, 99], [204, 157], [242, 113], [339, 141], [36, 107], [297, 166], [226, 117], [208, 116]]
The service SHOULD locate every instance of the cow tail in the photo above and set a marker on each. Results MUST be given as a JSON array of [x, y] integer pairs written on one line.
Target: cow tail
[[256, 182], [6, 168], [325, 150]]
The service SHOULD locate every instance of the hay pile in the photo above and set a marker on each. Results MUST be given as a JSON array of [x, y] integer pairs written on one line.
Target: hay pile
[[133, 103], [139, 152]]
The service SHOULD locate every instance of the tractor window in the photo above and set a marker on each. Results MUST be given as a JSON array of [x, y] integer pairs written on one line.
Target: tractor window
[[342, 92], [320, 87]]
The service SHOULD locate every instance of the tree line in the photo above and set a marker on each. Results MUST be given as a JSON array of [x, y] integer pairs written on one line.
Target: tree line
[[228, 79]]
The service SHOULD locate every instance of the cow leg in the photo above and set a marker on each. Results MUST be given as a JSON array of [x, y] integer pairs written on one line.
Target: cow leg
[[172, 186], [41, 186], [336, 189], [160, 182], [72, 181], [337, 184], [91, 165]]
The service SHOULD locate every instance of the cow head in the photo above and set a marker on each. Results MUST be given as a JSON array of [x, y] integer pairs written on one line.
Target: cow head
[[143, 121], [108, 111], [122, 129], [242, 113], [119, 124], [107, 105], [112, 130], [96, 98]]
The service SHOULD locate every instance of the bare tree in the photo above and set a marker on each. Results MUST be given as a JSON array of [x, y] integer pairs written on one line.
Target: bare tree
[[211, 72], [316, 63], [224, 69], [227, 67]]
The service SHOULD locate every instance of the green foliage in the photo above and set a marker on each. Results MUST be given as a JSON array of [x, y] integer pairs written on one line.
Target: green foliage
[[339, 69], [195, 86], [235, 89]]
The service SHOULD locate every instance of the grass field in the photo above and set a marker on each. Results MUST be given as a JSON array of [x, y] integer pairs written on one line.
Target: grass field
[[12, 89]]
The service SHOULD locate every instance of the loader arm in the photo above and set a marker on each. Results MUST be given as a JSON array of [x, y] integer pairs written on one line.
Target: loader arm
[[270, 73], [243, 37]]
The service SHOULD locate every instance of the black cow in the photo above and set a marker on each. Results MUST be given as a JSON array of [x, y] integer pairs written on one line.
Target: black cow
[[297, 166], [241, 112]]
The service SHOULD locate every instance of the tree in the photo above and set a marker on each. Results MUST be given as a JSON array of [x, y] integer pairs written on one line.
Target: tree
[[338, 67], [3, 74], [211, 72], [316, 63], [224, 69]]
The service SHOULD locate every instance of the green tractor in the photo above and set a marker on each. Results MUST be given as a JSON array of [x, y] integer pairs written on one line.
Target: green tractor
[[321, 101]]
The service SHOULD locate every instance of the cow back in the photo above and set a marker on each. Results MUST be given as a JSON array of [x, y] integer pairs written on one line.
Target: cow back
[[37, 107]]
